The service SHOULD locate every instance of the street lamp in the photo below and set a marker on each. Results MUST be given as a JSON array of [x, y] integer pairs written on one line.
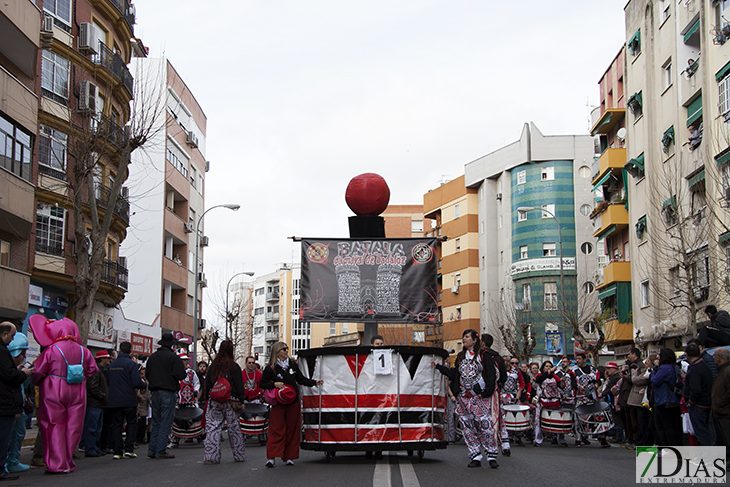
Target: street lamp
[[228, 313], [525, 209], [196, 318]]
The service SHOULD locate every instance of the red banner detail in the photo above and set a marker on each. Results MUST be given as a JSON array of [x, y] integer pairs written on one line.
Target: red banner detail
[[373, 435], [356, 368], [374, 401]]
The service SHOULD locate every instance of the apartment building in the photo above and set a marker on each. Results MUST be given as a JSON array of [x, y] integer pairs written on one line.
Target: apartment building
[[534, 200], [610, 215], [453, 209], [269, 321], [678, 108], [20, 23], [167, 185], [82, 91]]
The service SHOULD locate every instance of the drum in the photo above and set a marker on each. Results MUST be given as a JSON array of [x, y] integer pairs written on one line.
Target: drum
[[517, 417], [188, 422], [556, 420], [255, 419], [594, 418], [373, 399]]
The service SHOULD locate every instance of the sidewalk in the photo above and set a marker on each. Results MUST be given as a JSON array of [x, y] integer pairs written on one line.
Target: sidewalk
[[30, 434]]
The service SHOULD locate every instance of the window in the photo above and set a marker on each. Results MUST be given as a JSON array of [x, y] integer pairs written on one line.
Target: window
[[588, 287], [50, 226], [60, 10], [548, 211], [585, 210], [641, 227], [548, 173], [548, 249], [193, 176], [551, 327], [590, 328], [333, 329], [523, 252], [419, 336], [674, 281], [259, 292], [457, 279], [644, 294], [586, 248], [52, 155], [526, 298], [191, 261], [522, 177], [664, 6], [667, 73], [54, 77], [15, 148], [521, 216], [584, 172], [458, 245], [700, 271], [416, 226], [344, 328], [177, 157], [669, 211], [601, 250], [258, 311], [4, 253], [456, 210], [501, 222], [551, 296], [634, 44], [724, 101], [635, 104]]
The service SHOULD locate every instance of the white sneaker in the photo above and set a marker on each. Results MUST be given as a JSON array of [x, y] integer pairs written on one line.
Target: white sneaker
[[290, 462], [270, 463]]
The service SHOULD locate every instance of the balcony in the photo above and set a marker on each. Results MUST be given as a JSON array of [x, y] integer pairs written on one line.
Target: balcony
[[616, 271], [106, 128], [272, 336], [272, 316], [17, 209], [609, 119], [617, 332], [115, 274], [14, 298], [614, 217], [20, 26], [272, 296], [116, 65], [123, 7], [610, 159], [121, 207]]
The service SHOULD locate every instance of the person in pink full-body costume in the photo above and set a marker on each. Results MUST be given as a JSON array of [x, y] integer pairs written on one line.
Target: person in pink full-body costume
[[61, 414]]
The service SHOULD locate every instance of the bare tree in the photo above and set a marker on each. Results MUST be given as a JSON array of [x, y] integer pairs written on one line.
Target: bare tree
[[514, 320], [209, 341], [581, 316], [98, 143], [235, 312]]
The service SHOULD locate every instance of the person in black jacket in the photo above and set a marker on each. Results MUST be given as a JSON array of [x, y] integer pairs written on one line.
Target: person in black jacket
[[97, 398], [284, 419], [473, 382], [217, 413], [717, 333], [11, 398], [698, 396], [124, 378], [165, 370]]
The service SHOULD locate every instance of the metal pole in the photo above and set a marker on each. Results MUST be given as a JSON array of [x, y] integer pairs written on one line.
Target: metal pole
[[196, 310]]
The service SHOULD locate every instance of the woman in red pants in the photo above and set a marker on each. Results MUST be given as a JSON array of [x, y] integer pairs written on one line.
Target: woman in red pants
[[284, 419]]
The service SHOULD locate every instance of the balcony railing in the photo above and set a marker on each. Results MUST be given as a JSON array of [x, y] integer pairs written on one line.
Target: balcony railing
[[50, 249], [272, 316], [125, 8], [121, 208], [115, 274], [114, 63], [272, 337], [272, 296], [106, 128]]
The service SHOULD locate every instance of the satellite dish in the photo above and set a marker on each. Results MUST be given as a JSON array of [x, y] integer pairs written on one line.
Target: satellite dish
[[621, 134]]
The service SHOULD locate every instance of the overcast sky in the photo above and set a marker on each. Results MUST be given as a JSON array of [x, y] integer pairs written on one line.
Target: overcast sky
[[301, 96]]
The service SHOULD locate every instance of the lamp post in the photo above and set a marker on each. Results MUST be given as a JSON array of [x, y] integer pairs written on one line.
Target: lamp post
[[228, 313], [196, 318], [525, 209]]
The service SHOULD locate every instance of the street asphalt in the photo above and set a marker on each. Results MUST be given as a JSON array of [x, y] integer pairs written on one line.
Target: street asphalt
[[548, 465]]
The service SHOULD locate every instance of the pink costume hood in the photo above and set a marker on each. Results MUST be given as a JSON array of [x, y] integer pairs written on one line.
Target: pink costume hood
[[46, 332]]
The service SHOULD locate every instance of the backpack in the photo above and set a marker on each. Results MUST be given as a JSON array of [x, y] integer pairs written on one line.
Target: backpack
[[74, 373], [221, 391]]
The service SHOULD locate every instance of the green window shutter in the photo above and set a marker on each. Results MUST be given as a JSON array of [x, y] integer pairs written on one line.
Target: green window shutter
[[723, 72], [691, 31], [634, 43], [694, 110], [641, 227], [668, 138]]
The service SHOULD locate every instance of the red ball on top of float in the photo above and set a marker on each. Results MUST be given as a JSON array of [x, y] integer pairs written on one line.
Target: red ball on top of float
[[367, 194]]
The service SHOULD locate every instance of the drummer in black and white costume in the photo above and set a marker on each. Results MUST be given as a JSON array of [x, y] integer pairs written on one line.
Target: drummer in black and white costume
[[187, 395], [514, 385], [587, 378], [548, 397]]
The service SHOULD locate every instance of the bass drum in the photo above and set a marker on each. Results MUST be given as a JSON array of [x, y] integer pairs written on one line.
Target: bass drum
[[517, 417], [254, 419], [556, 421], [594, 418], [188, 422]]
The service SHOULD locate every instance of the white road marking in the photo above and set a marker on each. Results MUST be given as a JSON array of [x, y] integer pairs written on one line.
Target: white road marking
[[381, 477], [408, 474]]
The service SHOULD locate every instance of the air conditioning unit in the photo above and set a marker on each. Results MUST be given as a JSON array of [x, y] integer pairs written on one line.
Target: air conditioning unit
[[47, 25], [499, 196], [87, 97], [201, 324], [455, 289], [87, 40], [202, 280], [192, 139], [188, 227], [204, 241]]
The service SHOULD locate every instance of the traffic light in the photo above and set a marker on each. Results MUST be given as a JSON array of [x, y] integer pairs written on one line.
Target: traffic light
[[256, 356]]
